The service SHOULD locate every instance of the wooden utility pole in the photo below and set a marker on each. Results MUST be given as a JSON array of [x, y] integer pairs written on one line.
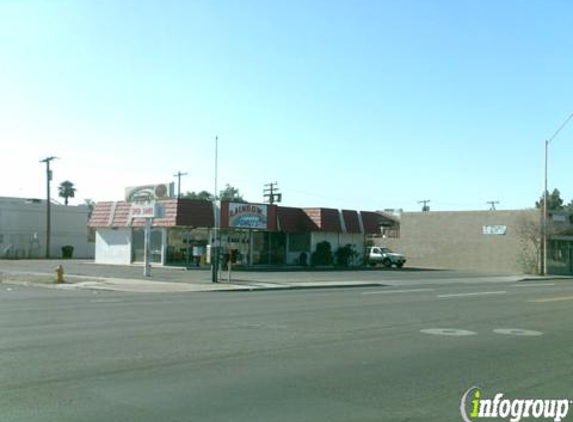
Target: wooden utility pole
[[425, 207], [47, 160], [270, 193], [178, 175]]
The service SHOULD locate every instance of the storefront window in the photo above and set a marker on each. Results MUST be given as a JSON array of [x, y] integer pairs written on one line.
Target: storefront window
[[299, 242], [186, 246], [273, 249], [156, 245], [237, 241]]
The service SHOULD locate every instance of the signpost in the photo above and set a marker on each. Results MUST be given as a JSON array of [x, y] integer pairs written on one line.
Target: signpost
[[147, 249], [146, 210]]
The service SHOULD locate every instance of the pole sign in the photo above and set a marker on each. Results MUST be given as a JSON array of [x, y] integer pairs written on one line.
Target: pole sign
[[145, 210], [248, 216]]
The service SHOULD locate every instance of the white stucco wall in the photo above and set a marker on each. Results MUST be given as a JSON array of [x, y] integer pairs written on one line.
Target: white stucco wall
[[113, 246], [23, 229], [317, 237], [356, 240], [338, 240]]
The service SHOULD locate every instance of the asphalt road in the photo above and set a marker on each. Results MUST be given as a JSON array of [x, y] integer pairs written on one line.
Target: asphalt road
[[318, 355]]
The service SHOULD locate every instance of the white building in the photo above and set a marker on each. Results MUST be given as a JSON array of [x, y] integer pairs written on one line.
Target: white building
[[259, 234], [23, 229]]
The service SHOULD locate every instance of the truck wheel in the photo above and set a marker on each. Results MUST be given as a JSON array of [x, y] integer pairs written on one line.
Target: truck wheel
[[399, 264], [372, 264], [387, 263]]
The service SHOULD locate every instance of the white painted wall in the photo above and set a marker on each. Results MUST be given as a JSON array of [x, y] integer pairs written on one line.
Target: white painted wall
[[356, 240], [338, 240], [113, 246], [317, 237], [23, 229]]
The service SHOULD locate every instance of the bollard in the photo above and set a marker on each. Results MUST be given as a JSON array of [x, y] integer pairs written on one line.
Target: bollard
[[59, 274]]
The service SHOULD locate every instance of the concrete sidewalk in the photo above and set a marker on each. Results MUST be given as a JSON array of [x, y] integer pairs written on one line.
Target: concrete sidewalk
[[202, 285], [87, 275]]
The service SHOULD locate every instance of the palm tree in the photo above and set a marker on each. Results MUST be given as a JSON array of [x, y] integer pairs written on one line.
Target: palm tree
[[66, 190]]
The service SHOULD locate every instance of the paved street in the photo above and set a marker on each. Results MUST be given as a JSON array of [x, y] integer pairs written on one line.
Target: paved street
[[363, 354]]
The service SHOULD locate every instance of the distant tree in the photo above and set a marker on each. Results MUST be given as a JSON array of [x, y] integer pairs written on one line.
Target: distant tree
[[530, 239], [554, 201], [66, 190], [204, 195], [91, 205], [231, 193]]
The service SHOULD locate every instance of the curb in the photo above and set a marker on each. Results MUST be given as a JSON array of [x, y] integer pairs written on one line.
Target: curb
[[546, 278], [287, 287]]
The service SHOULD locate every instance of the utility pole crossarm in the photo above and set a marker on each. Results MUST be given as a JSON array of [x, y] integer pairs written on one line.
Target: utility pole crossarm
[[270, 193], [425, 207], [492, 205]]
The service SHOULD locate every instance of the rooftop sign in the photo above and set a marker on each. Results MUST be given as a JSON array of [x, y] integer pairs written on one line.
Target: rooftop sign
[[248, 216], [149, 192]]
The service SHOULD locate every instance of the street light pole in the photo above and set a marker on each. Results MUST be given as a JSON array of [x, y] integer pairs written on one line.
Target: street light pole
[[48, 203], [544, 229], [544, 272], [217, 211]]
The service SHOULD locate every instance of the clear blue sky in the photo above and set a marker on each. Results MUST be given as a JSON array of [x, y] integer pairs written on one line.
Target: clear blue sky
[[346, 104]]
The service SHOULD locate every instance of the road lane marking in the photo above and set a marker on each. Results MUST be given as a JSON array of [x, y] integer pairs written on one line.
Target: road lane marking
[[553, 299], [517, 332], [110, 300], [448, 332], [533, 285], [385, 292], [472, 294]]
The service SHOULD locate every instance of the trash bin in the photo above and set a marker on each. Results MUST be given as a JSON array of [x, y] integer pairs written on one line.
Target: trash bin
[[67, 251]]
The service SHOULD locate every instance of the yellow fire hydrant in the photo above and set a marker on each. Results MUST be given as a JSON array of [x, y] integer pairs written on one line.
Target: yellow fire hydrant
[[59, 274]]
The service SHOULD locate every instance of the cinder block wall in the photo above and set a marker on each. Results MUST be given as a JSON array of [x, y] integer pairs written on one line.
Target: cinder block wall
[[455, 240]]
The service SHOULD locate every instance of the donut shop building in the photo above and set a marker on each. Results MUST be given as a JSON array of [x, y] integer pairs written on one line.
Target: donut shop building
[[183, 230]]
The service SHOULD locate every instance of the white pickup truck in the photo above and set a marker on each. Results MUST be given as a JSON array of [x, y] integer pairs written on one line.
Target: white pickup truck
[[378, 254]]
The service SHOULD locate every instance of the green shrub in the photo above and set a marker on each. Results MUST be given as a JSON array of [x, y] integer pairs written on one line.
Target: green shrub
[[322, 255], [345, 255]]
